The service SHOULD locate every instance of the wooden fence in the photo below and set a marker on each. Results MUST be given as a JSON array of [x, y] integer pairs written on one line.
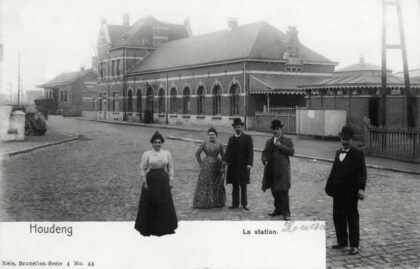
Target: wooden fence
[[287, 116], [393, 144]]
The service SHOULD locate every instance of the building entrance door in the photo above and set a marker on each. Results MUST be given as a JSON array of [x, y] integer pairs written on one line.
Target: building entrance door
[[374, 111], [104, 109]]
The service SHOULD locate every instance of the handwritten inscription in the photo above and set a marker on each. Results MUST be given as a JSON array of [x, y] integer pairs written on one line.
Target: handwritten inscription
[[289, 227]]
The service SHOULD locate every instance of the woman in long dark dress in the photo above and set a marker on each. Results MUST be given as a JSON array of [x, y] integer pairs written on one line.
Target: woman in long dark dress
[[210, 190], [156, 214]]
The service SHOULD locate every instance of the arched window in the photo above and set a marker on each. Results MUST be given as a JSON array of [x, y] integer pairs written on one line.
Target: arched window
[[130, 101], [217, 100], [113, 68], [173, 101], [118, 66], [115, 106], [234, 100], [187, 100], [149, 101], [138, 100], [200, 100], [161, 100], [100, 102]]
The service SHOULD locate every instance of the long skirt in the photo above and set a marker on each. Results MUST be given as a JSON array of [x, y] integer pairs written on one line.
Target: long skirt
[[210, 190], [156, 214]]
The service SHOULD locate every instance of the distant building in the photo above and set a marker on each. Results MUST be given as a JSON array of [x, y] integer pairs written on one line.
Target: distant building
[[413, 74], [66, 90], [202, 80], [357, 89], [30, 96]]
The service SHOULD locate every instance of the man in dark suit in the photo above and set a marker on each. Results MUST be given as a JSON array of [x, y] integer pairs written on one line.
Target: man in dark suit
[[275, 158], [346, 184], [239, 157]]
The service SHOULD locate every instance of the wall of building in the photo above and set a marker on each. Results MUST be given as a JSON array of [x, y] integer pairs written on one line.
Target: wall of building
[[357, 107]]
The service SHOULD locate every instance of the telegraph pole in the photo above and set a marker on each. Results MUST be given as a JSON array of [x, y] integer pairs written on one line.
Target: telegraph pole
[[410, 100], [383, 90], [18, 97]]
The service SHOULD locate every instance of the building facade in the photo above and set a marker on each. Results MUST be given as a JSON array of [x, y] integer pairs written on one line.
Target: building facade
[[65, 91], [158, 68], [357, 89]]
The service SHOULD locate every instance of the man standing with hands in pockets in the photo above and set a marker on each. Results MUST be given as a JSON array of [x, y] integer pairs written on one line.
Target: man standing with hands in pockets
[[275, 158], [239, 157], [346, 184]]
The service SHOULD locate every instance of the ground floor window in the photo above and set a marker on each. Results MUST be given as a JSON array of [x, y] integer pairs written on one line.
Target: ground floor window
[[200, 100], [234, 100], [139, 101], [186, 101], [162, 101], [130, 101], [173, 101], [217, 100]]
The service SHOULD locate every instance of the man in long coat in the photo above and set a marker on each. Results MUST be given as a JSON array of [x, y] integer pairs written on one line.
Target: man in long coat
[[346, 184], [239, 157], [275, 157]]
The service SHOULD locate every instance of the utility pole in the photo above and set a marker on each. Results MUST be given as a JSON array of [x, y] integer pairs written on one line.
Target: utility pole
[[18, 97], [410, 100], [10, 93]]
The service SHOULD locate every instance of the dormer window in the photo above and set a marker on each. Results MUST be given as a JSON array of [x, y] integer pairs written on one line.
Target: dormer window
[[293, 68]]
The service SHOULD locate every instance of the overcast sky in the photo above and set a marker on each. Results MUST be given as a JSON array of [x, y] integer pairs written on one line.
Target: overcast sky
[[55, 36]]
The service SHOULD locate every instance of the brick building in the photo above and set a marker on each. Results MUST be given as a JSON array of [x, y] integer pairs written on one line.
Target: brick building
[[66, 90], [199, 80], [357, 89]]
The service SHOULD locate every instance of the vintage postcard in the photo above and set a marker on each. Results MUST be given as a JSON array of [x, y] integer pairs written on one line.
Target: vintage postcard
[[209, 134]]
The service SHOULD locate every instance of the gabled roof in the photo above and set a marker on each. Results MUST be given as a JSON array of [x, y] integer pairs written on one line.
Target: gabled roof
[[413, 74], [133, 35], [116, 32], [361, 75], [360, 67], [259, 41], [280, 84], [355, 81], [66, 78]]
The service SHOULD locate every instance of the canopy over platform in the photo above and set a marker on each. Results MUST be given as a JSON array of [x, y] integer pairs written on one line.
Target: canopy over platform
[[281, 84]]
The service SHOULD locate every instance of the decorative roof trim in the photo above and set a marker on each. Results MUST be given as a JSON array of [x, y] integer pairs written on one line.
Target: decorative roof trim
[[238, 60]]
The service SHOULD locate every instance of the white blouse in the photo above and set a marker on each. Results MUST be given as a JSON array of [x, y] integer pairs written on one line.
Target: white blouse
[[153, 159]]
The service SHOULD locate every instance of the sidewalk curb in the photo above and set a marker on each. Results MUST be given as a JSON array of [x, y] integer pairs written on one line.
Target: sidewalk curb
[[17, 152], [313, 158], [174, 127]]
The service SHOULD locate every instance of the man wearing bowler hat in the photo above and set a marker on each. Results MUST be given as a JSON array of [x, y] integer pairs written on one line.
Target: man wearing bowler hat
[[346, 184], [275, 158], [239, 157]]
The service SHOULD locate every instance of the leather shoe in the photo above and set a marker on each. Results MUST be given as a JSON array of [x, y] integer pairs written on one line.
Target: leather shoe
[[233, 207], [286, 218], [274, 213], [338, 246], [353, 251], [245, 208]]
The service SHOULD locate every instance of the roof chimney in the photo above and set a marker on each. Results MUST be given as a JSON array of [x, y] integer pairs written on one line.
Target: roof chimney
[[95, 63], [187, 26], [82, 68], [362, 60], [292, 43], [126, 20], [232, 24]]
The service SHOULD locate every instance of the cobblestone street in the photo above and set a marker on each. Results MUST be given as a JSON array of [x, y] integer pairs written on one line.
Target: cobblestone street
[[96, 178]]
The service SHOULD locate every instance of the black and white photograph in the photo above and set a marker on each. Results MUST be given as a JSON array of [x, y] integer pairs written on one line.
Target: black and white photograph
[[209, 134]]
